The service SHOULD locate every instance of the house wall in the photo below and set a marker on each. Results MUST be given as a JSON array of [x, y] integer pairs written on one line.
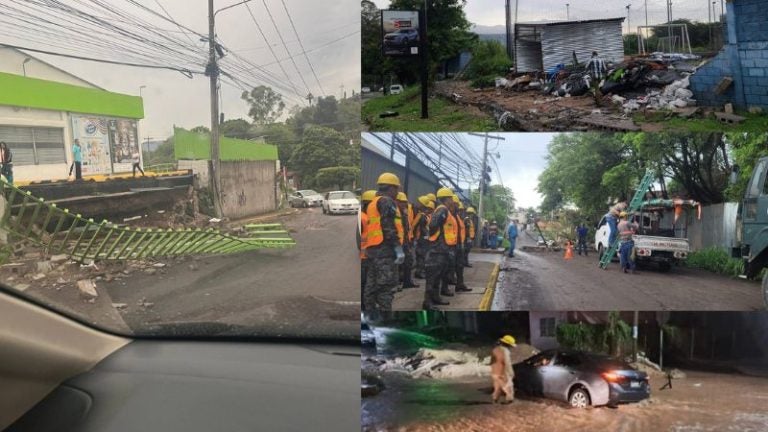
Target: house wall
[[744, 57], [541, 342], [11, 62], [249, 188]]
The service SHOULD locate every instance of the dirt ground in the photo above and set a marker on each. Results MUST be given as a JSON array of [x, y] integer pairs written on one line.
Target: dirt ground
[[701, 402], [534, 112], [546, 281]]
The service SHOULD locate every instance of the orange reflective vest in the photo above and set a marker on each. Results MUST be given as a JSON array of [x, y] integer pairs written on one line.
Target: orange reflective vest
[[450, 229], [363, 234], [375, 233], [462, 230], [471, 228]]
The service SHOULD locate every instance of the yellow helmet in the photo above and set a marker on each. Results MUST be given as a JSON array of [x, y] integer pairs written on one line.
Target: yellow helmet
[[423, 200], [508, 340], [456, 199], [401, 196], [444, 192], [431, 197], [471, 210], [388, 179], [623, 214], [368, 195], [461, 205]]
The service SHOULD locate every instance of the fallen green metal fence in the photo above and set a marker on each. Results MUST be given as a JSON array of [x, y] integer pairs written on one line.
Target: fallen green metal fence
[[26, 217]]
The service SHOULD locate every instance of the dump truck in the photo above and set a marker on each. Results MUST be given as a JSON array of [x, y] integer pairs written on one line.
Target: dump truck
[[752, 226]]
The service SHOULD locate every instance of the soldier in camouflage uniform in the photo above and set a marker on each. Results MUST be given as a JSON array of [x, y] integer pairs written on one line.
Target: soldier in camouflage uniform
[[458, 267], [424, 208], [384, 249], [441, 255], [406, 211]]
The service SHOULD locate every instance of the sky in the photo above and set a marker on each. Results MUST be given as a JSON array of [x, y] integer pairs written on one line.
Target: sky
[[173, 99], [521, 160], [491, 12]]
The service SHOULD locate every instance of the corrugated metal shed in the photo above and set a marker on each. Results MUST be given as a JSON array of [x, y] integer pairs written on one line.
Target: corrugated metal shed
[[542, 45]]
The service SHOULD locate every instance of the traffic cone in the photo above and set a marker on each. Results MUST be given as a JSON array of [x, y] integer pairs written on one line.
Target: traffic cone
[[568, 250]]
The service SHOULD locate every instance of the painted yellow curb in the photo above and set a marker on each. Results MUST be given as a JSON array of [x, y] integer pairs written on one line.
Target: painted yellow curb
[[490, 288]]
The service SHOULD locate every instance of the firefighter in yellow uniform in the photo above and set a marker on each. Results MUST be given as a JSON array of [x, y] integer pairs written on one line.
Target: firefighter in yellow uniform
[[469, 221], [458, 213], [424, 208], [443, 237], [406, 209], [384, 245], [362, 236]]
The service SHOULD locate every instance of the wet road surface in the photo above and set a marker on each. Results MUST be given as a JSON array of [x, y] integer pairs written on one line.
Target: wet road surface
[[546, 281]]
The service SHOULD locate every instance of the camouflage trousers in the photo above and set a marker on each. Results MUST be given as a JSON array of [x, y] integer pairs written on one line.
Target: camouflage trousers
[[438, 267], [381, 281], [407, 266], [421, 252]]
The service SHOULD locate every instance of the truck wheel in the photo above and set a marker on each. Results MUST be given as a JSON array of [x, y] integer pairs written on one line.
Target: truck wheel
[[664, 266], [765, 288]]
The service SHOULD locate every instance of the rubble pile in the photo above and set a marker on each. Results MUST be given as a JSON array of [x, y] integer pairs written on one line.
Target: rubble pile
[[658, 82]]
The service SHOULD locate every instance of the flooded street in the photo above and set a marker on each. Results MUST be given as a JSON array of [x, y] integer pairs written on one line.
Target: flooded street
[[700, 402]]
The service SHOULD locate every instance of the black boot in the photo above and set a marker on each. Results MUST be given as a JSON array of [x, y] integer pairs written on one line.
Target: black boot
[[463, 288]]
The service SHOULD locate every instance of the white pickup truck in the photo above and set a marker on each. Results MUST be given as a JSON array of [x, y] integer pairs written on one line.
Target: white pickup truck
[[659, 249]]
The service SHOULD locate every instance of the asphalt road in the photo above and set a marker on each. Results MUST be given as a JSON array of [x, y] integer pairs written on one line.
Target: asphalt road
[[546, 281], [311, 289]]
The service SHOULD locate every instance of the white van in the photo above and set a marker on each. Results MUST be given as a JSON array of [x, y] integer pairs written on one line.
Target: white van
[[395, 89]]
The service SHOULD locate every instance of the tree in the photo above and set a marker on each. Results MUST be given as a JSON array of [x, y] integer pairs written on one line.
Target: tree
[[498, 203], [337, 177], [236, 128], [201, 129], [321, 147], [326, 111], [266, 106], [746, 149], [489, 60]]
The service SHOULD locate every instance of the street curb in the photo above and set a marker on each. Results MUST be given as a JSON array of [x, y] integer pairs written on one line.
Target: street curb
[[490, 288]]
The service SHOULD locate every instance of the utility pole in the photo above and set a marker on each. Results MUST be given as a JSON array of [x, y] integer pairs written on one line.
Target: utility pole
[[567, 12], [309, 97], [646, 14], [482, 183], [634, 336], [629, 27], [213, 75], [508, 14]]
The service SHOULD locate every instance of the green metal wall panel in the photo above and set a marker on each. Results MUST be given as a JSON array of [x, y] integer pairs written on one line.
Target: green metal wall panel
[[28, 92], [192, 145]]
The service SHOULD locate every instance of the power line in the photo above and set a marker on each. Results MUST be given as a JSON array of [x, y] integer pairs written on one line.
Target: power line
[[295, 66], [301, 45]]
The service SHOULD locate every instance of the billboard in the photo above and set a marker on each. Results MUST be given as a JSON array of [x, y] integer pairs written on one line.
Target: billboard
[[400, 32], [94, 143], [124, 143]]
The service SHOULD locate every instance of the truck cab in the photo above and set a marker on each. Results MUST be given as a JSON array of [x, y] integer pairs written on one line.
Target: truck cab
[[752, 225]]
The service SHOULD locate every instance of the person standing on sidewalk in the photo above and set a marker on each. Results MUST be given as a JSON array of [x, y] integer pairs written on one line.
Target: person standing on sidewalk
[[626, 230], [493, 235], [406, 210], [6, 162], [443, 236], [421, 233], [512, 237], [384, 246], [484, 236], [77, 160], [502, 373], [362, 239], [469, 222], [581, 235], [458, 213]]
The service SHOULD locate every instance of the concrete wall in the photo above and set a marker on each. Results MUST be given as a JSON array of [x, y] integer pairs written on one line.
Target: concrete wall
[[540, 342], [717, 226], [199, 169], [744, 57], [248, 188]]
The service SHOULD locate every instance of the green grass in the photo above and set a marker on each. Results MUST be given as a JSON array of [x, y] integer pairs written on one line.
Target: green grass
[[753, 123], [716, 260], [444, 115]]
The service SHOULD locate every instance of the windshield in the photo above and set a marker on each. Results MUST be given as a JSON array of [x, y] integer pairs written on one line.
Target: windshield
[[110, 120], [341, 195]]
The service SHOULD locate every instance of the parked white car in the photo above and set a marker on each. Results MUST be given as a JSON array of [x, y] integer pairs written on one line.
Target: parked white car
[[395, 89], [336, 202]]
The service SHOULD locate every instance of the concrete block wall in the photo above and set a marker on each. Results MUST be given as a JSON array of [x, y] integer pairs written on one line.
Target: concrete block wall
[[747, 45], [249, 188]]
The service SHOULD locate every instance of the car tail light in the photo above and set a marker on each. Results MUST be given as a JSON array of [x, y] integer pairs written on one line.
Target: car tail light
[[613, 377], [644, 252]]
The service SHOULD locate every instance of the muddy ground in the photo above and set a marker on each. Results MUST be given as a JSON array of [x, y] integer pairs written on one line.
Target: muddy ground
[[701, 402], [546, 281], [533, 112]]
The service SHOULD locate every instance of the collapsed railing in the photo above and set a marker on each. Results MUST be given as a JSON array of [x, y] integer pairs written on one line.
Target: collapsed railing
[[25, 217]]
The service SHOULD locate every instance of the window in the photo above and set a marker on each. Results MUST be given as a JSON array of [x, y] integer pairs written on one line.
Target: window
[[34, 145], [567, 360], [547, 327]]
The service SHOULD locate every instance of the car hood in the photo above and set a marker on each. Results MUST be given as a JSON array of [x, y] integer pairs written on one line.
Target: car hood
[[341, 201]]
